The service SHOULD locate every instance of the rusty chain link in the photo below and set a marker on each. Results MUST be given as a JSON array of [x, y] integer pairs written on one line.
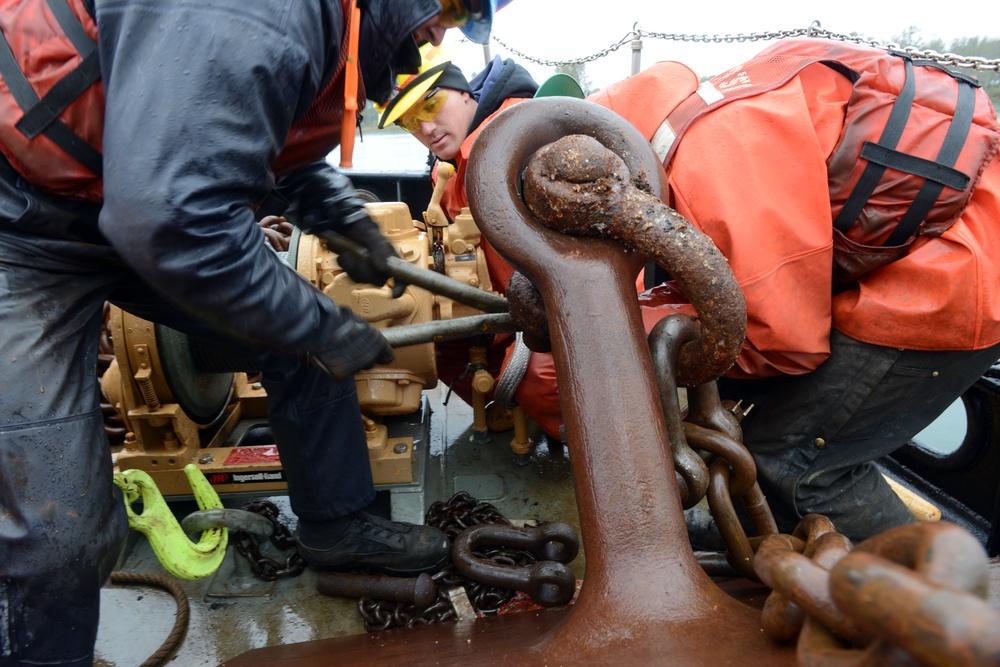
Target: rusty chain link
[[815, 30], [248, 546], [915, 591]]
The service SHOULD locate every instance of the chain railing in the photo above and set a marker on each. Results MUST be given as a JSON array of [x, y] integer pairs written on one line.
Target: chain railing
[[627, 39], [815, 30]]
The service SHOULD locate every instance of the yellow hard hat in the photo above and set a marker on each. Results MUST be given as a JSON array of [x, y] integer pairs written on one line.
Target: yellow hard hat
[[410, 88]]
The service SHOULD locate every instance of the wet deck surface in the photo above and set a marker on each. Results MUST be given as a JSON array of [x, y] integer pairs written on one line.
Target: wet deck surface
[[233, 612]]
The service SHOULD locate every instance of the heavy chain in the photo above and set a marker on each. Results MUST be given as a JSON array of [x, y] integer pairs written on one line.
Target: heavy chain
[[248, 546], [815, 30], [561, 63], [460, 512], [878, 599], [826, 590]]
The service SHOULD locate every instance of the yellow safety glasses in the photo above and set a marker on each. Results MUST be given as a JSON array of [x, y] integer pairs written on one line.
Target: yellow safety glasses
[[425, 110], [453, 14]]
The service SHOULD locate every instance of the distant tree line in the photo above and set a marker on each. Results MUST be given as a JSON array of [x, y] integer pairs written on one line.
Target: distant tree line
[[973, 47]]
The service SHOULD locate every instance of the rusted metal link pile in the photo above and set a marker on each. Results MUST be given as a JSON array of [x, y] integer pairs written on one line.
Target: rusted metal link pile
[[916, 594], [492, 561]]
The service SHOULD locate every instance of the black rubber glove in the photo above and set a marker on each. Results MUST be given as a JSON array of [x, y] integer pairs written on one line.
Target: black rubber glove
[[323, 199], [373, 268], [353, 346]]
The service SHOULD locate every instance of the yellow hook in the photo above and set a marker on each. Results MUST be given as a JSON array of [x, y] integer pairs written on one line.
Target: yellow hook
[[176, 552]]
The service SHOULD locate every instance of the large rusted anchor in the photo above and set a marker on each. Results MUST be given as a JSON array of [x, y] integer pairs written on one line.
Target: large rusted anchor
[[645, 599], [644, 595]]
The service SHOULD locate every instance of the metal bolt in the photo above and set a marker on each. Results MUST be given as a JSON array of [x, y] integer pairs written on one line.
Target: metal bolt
[[399, 448], [205, 459], [420, 590]]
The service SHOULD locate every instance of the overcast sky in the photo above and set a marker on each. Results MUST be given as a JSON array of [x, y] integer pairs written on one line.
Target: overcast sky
[[572, 29]]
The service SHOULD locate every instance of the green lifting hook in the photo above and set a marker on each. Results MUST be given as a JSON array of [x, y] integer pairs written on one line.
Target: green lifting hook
[[176, 552]]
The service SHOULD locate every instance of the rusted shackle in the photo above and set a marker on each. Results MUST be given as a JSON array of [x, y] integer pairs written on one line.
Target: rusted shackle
[[577, 186], [549, 582]]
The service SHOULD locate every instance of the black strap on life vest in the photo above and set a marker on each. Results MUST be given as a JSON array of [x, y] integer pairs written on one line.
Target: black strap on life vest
[[41, 116], [936, 173]]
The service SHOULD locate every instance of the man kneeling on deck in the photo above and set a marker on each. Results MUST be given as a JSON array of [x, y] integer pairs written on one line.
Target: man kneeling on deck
[[445, 112]]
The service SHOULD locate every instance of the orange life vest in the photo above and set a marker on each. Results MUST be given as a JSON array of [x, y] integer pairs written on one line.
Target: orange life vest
[[916, 140], [52, 100]]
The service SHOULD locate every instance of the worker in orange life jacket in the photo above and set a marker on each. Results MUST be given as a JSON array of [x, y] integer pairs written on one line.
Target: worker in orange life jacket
[[137, 140], [445, 112], [856, 194]]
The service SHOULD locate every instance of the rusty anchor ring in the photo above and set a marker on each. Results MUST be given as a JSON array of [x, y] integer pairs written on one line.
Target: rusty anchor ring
[[577, 186]]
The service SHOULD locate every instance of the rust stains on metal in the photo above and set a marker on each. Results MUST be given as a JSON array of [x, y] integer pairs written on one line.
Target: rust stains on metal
[[577, 186]]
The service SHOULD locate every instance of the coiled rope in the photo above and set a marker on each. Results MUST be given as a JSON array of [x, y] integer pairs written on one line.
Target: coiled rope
[[170, 585]]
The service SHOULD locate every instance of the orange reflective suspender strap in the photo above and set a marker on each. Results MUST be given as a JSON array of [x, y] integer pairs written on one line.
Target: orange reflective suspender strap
[[349, 124]]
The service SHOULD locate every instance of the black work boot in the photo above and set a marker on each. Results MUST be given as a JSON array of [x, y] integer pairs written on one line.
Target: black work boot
[[365, 541]]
